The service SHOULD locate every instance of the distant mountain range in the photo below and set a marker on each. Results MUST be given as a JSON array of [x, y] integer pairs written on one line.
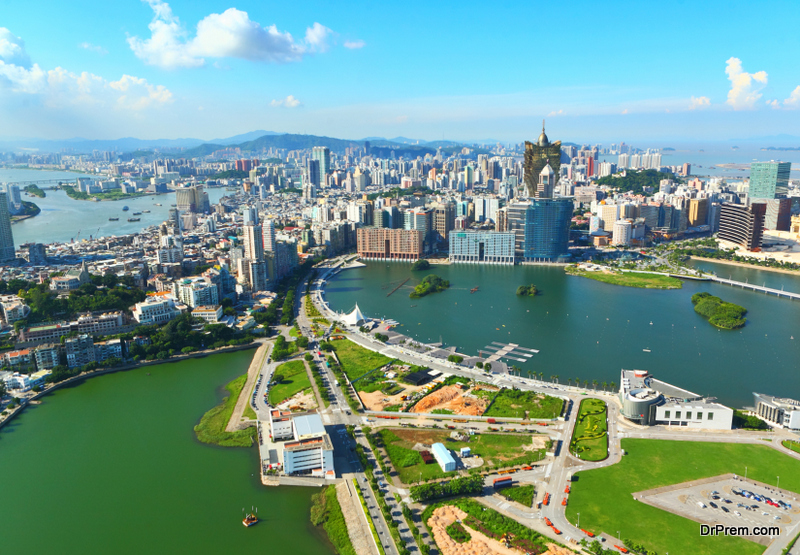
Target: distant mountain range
[[254, 140]]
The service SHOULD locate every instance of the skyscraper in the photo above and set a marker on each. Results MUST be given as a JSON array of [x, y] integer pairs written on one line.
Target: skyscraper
[[547, 229], [323, 155], [742, 225], [313, 172], [547, 182], [769, 180], [6, 238], [269, 236], [253, 242], [537, 155]]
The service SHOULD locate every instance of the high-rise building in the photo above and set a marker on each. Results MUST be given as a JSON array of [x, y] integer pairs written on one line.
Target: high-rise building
[[537, 155], [482, 247], [742, 225], [778, 216], [253, 242], [769, 180], [6, 237], [313, 172], [192, 199], [622, 232], [547, 229], [323, 155], [698, 211], [268, 234], [444, 217], [389, 244], [547, 182]]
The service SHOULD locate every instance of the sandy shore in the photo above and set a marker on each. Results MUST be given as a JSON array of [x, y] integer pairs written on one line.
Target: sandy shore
[[743, 265]]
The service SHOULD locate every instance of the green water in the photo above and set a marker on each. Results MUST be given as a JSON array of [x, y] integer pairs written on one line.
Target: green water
[[112, 466], [590, 330]]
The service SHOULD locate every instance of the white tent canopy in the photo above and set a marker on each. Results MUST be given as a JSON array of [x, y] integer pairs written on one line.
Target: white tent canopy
[[355, 318]]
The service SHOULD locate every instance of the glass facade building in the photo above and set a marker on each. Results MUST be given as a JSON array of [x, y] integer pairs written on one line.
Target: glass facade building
[[547, 224], [769, 180]]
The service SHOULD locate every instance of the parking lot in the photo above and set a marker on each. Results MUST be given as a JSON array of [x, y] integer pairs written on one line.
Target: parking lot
[[731, 502]]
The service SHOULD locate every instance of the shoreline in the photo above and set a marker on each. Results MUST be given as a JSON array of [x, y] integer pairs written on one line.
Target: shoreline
[[123, 368], [745, 265]]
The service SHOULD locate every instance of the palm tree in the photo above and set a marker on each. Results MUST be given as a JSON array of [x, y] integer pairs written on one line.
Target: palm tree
[[556, 378], [552, 378], [594, 383], [613, 386], [586, 384], [541, 376], [569, 380], [605, 384]]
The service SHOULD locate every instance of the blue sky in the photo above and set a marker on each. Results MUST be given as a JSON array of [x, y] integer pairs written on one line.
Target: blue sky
[[599, 72]]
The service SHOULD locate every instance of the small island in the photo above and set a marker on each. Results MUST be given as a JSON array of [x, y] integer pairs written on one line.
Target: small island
[[115, 194], [527, 291], [29, 210], [421, 264], [719, 313], [35, 191], [429, 284]]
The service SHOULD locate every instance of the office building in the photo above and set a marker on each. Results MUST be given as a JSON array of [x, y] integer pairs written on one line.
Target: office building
[[322, 154], [698, 212], [769, 180], [192, 199], [780, 411], [389, 244], [444, 217], [313, 174], [6, 237], [742, 225], [778, 213], [155, 310], [306, 447], [647, 401], [547, 224], [537, 155], [482, 247]]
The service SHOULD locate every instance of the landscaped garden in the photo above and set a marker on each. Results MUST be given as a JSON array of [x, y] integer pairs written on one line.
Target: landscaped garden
[[603, 496], [521, 494], [294, 379], [356, 360], [590, 436], [629, 279], [524, 404]]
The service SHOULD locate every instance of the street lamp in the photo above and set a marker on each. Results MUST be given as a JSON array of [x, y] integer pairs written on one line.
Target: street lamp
[[779, 482], [579, 520]]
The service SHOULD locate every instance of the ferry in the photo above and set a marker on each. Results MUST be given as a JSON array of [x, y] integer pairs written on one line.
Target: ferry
[[125, 208], [250, 518], [113, 219], [134, 219]]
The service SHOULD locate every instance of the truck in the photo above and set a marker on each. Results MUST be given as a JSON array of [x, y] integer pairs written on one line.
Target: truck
[[502, 482], [491, 421]]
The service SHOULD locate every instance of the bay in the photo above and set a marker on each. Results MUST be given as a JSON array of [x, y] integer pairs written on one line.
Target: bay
[[591, 330], [112, 465]]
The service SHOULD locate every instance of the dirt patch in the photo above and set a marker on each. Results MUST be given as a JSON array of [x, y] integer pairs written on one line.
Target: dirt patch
[[424, 437], [537, 442], [300, 402], [454, 399]]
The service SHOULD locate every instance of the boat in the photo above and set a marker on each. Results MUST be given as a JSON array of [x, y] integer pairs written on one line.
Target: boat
[[113, 219], [250, 518], [137, 213], [646, 350], [651, 323], [474, 289], [125, 208], [134, 219], [158, 204], [145, 211]]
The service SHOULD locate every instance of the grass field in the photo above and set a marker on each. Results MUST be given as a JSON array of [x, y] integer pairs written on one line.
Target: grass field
[[356, 360], [295, 379], [629, 279], [211, 428], [522, 404], [792, 445], [590, 437], [603, 496], [495, 449], [521, 494], [327, 511]]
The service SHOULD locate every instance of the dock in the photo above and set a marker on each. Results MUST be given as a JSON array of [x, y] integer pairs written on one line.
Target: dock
[[510, 351]]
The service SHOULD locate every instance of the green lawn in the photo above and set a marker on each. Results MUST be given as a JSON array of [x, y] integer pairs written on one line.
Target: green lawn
[[603, 496], [211, 428], [295, 378], [630, 279], [327, 512], [793, 445], [521, 494], [521, 404], [590, 437], [356, 360], [495, 449]]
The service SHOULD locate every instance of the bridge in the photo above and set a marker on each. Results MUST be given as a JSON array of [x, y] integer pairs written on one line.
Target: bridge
[[42, 182], [753, 287]]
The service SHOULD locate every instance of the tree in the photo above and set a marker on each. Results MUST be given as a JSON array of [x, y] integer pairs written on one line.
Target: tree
[[605, 384], [2, 389], [487, 366], [309, 357], [277, 378]]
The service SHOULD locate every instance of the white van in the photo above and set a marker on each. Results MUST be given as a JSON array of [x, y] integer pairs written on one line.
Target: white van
[[701, 504]]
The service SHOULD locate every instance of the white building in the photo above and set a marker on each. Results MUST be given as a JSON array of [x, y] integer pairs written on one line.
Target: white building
[[26, 382], [155, 310], [196, 291], [781, 411], [622, 232], [308, 449], [211, 314]]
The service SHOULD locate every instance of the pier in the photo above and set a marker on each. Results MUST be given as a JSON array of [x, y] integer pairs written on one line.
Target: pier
[[402, 283], [753, 287], [508, 350]]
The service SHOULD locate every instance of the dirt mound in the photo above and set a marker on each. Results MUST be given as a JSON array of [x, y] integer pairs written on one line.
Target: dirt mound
[[478, 545], [438, 397]]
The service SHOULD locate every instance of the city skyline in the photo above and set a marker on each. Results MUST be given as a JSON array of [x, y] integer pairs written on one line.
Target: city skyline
[[156, 69]]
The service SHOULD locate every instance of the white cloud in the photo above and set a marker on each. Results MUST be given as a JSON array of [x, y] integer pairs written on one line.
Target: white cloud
[[401, 119], [745, 87], [697, 102], [12, 49], [354, 44], [555, 113], [93, 48], [230, 34], [288, 102], [774, 104], [793, 102], [57, 88]]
